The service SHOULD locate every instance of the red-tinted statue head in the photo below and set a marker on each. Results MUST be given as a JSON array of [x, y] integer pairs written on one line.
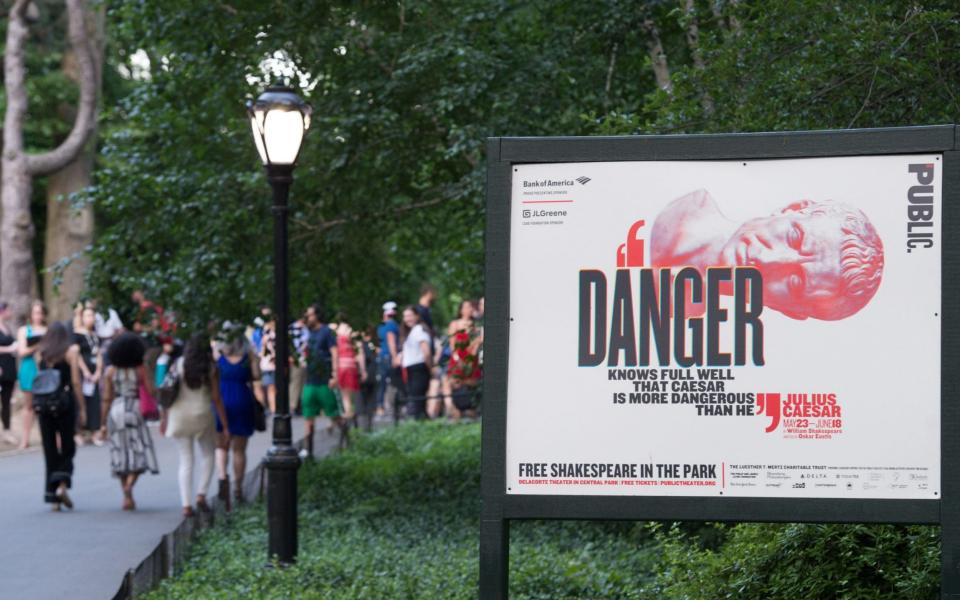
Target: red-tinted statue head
[[822, 260]]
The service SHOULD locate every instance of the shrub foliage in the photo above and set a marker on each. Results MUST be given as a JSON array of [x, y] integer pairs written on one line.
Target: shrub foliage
[[397, 517]]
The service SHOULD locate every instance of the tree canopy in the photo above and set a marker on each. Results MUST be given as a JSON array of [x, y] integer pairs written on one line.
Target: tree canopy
[[390, 188]]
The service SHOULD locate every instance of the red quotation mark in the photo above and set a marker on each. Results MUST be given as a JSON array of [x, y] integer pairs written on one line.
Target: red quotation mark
[[769, 404], [631, 253]]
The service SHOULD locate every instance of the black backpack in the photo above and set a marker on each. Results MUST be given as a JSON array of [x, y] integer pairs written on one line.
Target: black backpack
[[50, 396]]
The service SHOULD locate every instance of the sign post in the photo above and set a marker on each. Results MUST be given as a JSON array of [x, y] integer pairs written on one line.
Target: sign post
[[749, 327]]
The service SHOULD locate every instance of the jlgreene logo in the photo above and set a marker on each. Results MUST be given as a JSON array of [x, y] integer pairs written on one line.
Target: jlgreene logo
[[527, 214], [543, 216]]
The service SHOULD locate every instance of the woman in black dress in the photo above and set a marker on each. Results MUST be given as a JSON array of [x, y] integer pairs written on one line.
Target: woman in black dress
[[91, 366], [8, 371]]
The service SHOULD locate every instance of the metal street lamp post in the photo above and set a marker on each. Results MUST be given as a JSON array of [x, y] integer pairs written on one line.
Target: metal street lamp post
[[280, 119]]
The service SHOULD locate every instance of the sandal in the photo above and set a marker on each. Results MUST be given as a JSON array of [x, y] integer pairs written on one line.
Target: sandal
[[64, 498]]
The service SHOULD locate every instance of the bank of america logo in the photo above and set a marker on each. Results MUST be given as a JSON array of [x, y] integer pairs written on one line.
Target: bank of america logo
[[583, 180]]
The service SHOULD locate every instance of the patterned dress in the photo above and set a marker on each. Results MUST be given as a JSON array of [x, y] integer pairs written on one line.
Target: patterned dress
[[131, 447]]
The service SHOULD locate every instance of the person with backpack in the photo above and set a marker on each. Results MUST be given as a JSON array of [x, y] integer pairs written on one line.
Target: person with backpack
[[189, 418], [388, 361], [322, 363], [131, 447], [58, 401]]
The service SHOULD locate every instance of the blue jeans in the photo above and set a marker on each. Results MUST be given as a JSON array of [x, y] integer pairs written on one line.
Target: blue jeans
[[384, 369]]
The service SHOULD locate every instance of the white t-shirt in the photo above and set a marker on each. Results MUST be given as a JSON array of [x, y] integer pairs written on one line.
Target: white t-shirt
[[412, 351]]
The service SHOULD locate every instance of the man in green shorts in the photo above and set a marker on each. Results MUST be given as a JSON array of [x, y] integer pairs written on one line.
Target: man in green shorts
[[318, 397]]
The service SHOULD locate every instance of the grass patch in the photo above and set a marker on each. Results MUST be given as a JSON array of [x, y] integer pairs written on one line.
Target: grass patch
[[397, 516]]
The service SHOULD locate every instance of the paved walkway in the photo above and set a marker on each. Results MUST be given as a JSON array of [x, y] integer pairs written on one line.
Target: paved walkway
[[84, 554], [16, 428]]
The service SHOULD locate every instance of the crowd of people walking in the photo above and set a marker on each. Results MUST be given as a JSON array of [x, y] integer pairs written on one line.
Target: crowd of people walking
[[93, 381]]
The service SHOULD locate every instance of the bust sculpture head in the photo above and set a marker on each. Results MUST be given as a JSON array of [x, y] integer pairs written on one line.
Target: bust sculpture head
[[821, 260]]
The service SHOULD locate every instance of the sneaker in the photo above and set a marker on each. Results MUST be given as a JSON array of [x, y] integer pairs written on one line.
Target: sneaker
[[303, 454], [9, 438]]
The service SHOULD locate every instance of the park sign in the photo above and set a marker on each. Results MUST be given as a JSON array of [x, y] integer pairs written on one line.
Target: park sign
[[747, 327], [726, 328]]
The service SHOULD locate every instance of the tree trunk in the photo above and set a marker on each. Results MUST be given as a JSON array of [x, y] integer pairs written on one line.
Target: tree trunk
[[16, 241], [70, 230], [610, 68], [17, 271], [693, 42], [69, 233], [658, 59], [16, 227]]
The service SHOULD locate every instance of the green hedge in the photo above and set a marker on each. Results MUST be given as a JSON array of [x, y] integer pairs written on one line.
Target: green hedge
[[397, 517], [790, 561]]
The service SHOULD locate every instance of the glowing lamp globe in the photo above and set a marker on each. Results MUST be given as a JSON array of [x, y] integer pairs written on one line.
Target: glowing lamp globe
[[279, 119]]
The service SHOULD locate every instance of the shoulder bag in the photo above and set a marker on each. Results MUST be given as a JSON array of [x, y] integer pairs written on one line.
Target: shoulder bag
[[170, 387]]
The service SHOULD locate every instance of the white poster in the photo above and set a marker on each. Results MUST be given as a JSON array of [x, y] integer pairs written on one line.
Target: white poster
[[728, 328]]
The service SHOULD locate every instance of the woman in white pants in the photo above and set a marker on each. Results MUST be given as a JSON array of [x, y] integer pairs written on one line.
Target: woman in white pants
[[189, 419]]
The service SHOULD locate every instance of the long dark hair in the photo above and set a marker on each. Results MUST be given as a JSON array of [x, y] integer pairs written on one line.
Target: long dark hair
[[197, 360], [460, 308], [55, 343]]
